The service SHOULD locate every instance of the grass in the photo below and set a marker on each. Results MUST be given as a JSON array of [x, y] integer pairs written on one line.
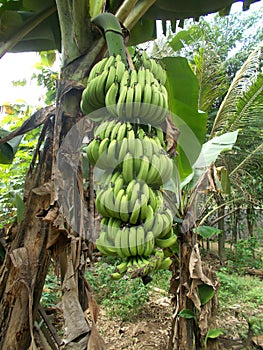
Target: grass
[[125, 297], [51, 292], [121, 298], [246, 293]]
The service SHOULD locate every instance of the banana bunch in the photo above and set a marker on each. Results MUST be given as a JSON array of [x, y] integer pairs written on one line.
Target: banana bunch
[[129, 146], [140, 157], [155, 172], [132, 203], [113, 129], [141, 59], [140, 266], [139, 95], [102, 76], [125, 240], [127, 94]]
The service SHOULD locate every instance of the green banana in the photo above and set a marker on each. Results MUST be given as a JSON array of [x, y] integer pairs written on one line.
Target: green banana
[[129, 103], [122, 267], [120, 69], [167, 225], [100, 88], [90, 150], [125, 242], [102, 154], [123, 149], [147, 147], [97, 69], [121, 132], [103, 245], [160, 135], [141, 77], [166, 243], [138, 153], [134, 194], [116, 275], [110, 204], [134, 217], [144, 169], [111, 158], [100, 203], [133, 77], [140, 239], [110, 78], [137, 100], [129, 188], [118, 185], [111, 99], [125, 79], [117, 244], [124, 208], [133, 240], [144, 209], [149, 244], [157, 227], [127, 168], [115, 131], [110, 62], [145, 190], [149, 219], [152, 199], [165, 263], [120, 108]]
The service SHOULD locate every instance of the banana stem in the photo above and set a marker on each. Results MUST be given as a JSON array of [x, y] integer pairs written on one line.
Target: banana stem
[[125, 9], [113, 34], [137, 12]]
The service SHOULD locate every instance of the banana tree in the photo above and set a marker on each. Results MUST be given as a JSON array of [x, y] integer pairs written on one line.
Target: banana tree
[[44, 234]]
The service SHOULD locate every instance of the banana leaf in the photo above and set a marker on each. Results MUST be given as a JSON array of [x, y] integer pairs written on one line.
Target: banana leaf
[[33, 25]]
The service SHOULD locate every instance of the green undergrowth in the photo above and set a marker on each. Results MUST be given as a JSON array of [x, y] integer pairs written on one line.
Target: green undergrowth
[[125, 297], [51, 294], [243, 294], [245, 254]]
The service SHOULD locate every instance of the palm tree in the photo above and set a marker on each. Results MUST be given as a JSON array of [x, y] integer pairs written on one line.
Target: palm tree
[[242, 110]]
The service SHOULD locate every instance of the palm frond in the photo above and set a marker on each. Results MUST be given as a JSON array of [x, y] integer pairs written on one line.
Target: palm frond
[[249, 107], [211, 76], [227, 114], [251, 158]]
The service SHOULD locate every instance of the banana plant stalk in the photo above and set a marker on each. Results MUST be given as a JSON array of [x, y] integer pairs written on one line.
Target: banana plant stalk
[[113, 34]]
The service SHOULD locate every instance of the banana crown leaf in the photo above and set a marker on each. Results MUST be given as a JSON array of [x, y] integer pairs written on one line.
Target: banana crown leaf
[[8, 149]]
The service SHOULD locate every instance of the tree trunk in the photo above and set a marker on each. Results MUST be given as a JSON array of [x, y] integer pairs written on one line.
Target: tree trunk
[[25, 266], [234, 226], [26, 263], [250, 223], [188, 333], [221, 226]]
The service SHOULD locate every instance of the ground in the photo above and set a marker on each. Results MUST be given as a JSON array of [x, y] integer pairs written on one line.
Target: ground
[[150, 329]]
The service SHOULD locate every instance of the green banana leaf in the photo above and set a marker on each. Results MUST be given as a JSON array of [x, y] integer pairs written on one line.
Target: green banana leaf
[[182, 87], [18, 35], [209, 154], [8, 149]]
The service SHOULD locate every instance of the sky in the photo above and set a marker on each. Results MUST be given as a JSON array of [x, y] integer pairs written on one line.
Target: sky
[[19, 66]]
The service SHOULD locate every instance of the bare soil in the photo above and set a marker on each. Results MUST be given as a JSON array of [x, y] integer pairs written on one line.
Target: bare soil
[[151, 327]]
